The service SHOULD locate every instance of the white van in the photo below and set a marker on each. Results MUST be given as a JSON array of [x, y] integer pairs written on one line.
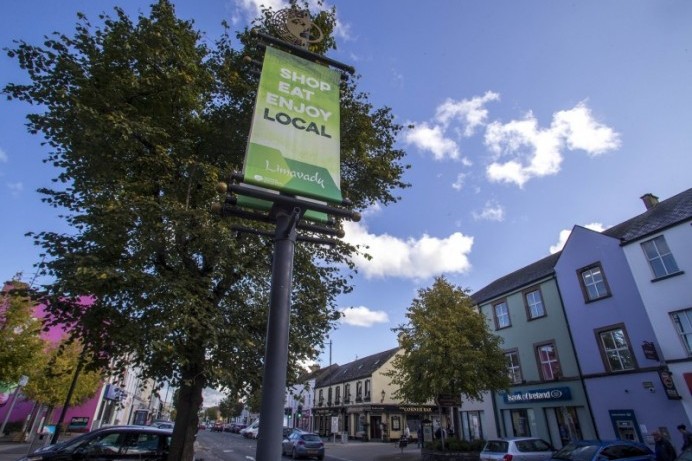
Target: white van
[[251, 431]]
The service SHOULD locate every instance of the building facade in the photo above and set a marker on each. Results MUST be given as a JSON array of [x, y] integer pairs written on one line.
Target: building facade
[[357, 400], [546, 398]]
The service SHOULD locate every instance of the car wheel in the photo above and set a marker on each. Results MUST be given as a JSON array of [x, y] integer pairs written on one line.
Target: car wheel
[[294, 455]]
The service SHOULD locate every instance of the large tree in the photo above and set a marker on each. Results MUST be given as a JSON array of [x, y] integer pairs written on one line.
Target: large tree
[[143, 118], [447, 348]]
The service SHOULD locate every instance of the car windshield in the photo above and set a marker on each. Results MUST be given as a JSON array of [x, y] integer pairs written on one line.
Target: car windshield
[[532, 445], [574, 452]]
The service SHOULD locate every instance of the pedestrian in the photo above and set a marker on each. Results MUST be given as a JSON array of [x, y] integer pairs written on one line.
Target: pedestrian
[[663, 448], [686, 437], [407, 433], [419, 434]]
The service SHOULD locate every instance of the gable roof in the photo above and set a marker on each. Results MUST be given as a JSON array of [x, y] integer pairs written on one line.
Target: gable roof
[[357, 369], [524, 276], [317, 374], [667, 213]]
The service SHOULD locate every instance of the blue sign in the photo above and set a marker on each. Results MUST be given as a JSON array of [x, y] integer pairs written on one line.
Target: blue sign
[[540, 395]]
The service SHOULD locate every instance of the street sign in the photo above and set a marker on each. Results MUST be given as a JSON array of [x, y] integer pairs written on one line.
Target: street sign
[[448, 400]]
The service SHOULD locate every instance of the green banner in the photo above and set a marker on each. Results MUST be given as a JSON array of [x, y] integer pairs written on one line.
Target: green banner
[[294, 144]]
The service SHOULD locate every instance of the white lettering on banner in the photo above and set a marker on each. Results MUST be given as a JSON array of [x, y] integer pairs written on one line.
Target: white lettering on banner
[[300, 107], [312, 82], [315, 178]]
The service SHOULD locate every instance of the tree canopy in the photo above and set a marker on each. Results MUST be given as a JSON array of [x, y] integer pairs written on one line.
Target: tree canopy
[[142, 118], [21, 346], [447, 348]]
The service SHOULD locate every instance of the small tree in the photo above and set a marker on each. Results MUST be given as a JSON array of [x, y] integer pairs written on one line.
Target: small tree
[[20, 341], [50, 382], [447, 348]]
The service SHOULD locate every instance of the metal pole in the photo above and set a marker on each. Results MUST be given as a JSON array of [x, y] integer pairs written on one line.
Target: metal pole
[[15, 395], [56, 434], [276, 353]]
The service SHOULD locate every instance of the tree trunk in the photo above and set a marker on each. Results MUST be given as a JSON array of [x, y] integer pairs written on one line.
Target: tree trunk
[[187, 418]]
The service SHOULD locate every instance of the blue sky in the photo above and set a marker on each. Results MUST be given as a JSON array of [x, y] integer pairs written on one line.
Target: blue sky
[[530, 117]]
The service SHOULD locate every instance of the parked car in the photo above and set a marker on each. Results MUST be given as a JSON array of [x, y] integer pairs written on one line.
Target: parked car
[[163, 424], [593, 450], [301, 444], [237, 427], [517, 449], [251, 431], [217, 427], [121, 442]]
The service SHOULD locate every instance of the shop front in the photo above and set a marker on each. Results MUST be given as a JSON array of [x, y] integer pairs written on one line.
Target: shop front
[[557, 414], [385, 422]]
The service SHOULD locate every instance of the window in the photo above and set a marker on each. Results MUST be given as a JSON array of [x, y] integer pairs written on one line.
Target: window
[[660, 258], [329, 397], [347, 393], [534, 304], [513, 367], [615, 348], [593, 283], [359, 391], [320, 400], [367, 390], [501, 312], [548, 362], [683, 324], [337, 396]]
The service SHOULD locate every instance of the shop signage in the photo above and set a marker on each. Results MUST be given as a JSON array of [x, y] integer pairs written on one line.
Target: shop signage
[[649, 350], [539, 395], [415, 409], [668, 384], [448, 400]]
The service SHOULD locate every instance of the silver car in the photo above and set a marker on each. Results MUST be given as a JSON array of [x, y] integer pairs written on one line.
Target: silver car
[[301, 444], [517, 449]]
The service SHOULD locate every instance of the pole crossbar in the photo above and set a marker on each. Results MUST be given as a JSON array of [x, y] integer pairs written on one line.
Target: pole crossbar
[[303, 53], [293, 201]]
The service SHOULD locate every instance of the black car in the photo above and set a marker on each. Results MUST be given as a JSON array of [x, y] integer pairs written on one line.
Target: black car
[[114, 442]]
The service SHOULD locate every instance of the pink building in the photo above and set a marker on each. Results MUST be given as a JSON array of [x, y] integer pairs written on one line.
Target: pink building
[[32, 416]]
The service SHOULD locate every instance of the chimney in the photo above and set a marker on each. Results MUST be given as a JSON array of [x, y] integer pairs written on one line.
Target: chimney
[[650, 201]]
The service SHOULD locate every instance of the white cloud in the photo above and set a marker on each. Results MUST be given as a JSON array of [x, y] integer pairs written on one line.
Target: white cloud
[[459, 183], [492, 211], [471, 113], [432, 138], [411, 258], [534, 152], [581, 131], [3, 156], [361, 316], [16, 188], [565, 233]]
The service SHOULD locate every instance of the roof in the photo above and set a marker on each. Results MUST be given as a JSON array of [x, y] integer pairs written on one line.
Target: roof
[[357, 369], [522, 277], [669, 212], [318, 373]]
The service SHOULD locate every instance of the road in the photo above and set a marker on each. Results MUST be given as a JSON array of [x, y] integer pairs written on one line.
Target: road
[[223, 446]]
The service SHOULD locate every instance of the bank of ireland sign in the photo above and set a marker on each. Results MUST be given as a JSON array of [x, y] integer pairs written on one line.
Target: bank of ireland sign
[[294, 143], [540, 395]]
